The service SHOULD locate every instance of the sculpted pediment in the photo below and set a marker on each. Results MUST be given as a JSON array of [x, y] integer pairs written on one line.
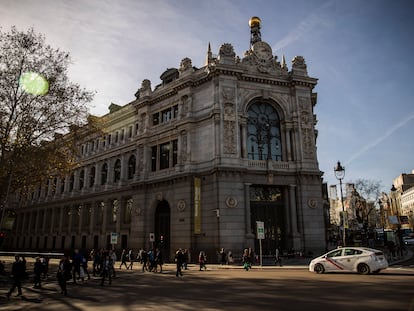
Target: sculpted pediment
[[260, 59]]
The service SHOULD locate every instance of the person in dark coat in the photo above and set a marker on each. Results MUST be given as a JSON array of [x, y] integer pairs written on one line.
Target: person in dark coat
[[179, 259], [38, 268], [18, 273], [64, 274]]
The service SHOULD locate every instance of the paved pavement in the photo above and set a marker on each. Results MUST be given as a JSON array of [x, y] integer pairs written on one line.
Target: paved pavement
[[127, 283]]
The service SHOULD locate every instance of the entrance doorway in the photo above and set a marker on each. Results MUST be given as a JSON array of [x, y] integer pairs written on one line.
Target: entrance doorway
[[162, 228], [266, 205]]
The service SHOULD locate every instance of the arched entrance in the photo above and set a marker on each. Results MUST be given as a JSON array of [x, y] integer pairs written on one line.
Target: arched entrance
[[162, 228], [266, 205]]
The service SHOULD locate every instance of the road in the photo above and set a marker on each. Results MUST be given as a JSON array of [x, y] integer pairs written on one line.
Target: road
[[218, 288]]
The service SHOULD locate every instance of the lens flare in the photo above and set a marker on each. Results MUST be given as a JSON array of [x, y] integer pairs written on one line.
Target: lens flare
[[34, 83]]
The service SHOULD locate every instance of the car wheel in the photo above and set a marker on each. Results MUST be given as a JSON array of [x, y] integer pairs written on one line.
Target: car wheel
[[319, 268], [363, 268]]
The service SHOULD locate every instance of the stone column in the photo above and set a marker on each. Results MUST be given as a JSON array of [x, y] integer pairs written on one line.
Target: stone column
[[244, 140], [293, 218], [288, 144], [248, 227]]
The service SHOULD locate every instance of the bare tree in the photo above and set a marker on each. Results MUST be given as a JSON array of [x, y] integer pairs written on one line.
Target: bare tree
[[368, 192], [37, 103]]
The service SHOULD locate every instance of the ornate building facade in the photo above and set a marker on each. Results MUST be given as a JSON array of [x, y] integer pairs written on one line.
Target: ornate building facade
[[193, 163]]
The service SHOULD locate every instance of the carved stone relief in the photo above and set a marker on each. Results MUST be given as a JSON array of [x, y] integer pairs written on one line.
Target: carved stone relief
[[229, 129], [181, 205]]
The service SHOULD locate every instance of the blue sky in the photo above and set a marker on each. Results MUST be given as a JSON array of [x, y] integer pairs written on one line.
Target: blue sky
[[360, 50]]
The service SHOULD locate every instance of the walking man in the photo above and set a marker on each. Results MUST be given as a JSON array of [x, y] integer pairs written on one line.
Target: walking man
[[18, 273]]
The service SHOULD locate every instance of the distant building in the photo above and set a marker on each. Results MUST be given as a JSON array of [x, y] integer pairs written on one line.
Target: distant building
[[402, 199], [193, 163]]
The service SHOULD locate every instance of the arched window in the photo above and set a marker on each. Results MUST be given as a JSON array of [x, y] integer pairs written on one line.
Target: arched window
[[131, 166], [104, 174], [71, 182], [263, 133], [117, 170], [81, 179], [92, 173]]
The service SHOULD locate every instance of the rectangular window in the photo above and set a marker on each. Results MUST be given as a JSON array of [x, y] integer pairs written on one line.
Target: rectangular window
[[175, 112], [153, 158], [166, 115], [175, 152], [130, 131], [165, 156], [155, 118], [116, 137]]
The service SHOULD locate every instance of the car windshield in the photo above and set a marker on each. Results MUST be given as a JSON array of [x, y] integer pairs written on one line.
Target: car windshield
[[334, 253]]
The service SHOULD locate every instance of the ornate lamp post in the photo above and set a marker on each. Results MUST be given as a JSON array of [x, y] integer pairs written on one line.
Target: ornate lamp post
[[340, 174]]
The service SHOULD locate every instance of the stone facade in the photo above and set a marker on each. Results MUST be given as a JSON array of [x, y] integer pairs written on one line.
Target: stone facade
[[196, 161]]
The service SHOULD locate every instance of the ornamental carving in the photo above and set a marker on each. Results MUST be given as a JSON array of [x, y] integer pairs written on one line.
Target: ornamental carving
[[228, 93], [313, 203], [181, 205], [229, 137], [186, 64], [308, 146], [231, 202], [227, 50]]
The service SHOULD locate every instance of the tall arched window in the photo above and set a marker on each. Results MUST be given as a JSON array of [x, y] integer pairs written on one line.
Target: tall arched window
[[104, 174], [81, 179], [117, 170], [92, 176], [71, 182], [131, 167], [263, 133]]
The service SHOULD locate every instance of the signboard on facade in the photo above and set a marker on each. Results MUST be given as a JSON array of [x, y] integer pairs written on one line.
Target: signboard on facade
[[152, 237], [197, 205], [260, 230], [114, 238]]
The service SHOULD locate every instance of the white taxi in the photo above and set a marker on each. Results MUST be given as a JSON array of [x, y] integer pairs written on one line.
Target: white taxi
[[350, 259]]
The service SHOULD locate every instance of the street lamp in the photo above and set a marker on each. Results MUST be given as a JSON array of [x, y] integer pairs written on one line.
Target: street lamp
[[340, 174]]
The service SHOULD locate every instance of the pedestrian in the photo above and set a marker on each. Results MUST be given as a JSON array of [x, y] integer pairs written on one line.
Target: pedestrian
[[158, 260], [112, 254], [64, 274], [230, 259], [202, 260], [124, 259], [107, 267], [45, 267], [84, 268], [179, 259], [246, 259], [222, 256], [18, 273], [186, 257], [144, 260], [130, 259], [278, 259], [96, 266], [76, 262], [38, 268]]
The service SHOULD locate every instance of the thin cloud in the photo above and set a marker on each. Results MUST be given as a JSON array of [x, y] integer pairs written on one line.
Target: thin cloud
[[305, 27], [382, 138]]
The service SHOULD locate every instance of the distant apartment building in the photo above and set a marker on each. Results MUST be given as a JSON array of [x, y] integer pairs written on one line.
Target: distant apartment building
[[193, 163]]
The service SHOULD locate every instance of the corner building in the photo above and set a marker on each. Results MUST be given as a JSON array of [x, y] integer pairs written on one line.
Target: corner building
[[194, 163]]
